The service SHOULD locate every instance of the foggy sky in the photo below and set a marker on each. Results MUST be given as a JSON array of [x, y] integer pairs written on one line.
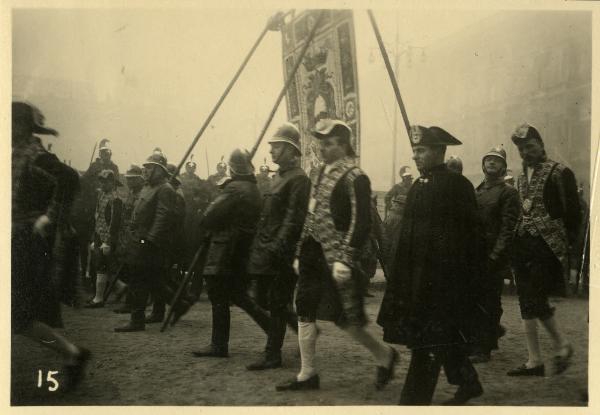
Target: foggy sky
[[156, 74]]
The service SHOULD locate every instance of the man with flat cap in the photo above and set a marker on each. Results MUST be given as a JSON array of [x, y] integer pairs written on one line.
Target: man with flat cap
[[152, 226], [430, 302], [547, 229], [499, 210], [279, 228], [231, 223], [43, 190], [336, 229]]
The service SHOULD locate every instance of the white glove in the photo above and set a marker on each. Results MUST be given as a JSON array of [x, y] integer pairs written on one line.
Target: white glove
[[40, 225], [92, 246], [296, 266], [105, 248], [341, 272]]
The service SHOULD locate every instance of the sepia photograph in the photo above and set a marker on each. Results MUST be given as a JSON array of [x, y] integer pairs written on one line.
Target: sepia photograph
[[309, 204]]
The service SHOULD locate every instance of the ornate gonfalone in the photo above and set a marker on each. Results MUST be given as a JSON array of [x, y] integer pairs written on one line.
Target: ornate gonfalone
[[326, 84]]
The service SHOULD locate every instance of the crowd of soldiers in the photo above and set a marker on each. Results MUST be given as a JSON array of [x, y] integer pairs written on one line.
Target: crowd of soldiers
[[445, 247]]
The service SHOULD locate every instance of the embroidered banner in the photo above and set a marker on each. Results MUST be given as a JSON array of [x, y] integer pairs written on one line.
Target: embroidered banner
[[325, 85]]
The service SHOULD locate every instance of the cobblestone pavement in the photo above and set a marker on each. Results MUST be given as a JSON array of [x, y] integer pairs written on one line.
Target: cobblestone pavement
[[153, 368]]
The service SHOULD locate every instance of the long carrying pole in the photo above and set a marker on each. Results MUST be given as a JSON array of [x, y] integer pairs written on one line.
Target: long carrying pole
[[288, 82], [272, 24], [390, 71]]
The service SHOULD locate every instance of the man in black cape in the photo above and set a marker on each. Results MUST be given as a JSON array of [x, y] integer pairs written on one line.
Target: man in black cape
[[430, 303]]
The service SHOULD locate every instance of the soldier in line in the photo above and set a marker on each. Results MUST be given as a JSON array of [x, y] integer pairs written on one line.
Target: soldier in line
[[197, 194], [395, 202], [499, 209], [263, 181], [231, 222], [106, 235], [217, 179], [399, 189], [274, 246], [43, 189], [546, 231], [430, 303], [336, 229], [135, 181], [152, 227], [455, 164]]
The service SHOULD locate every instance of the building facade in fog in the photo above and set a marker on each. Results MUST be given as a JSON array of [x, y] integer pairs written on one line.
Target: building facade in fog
[[510, 68]]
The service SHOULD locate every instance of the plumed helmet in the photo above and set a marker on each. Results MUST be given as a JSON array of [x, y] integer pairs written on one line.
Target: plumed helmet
[[240, 164], [222, 165], [104, 145]]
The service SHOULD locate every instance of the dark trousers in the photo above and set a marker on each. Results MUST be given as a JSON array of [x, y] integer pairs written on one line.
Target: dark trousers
[[493, 306], [147, 277], [424, 369], [223, 289], [275, 293]]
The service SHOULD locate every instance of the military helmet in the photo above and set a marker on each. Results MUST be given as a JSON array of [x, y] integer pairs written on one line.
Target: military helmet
[[497, 151], [455, 163], [134, 171], [405, 171], [158, 158], [240, 163], [172, 169], [287, 133], [104, 145], [222, 164]]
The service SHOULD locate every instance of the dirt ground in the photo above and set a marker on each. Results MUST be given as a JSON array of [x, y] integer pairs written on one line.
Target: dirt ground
[[153, 368]]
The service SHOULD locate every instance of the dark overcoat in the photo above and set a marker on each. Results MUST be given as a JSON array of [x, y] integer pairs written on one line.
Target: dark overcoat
[[231, 222], [432, 297]]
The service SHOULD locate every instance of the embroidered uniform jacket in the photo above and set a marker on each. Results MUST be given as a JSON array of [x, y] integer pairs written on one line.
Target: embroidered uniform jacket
[[339, 214]]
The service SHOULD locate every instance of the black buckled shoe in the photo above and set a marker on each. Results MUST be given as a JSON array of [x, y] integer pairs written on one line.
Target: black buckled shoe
[[211, 352], [130, 327], [560, 362], [464, 394], [527, 371], [268, 362], [385, 374], [294, 384]]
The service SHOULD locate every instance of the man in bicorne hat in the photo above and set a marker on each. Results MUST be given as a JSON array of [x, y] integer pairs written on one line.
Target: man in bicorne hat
[[430, 302], [499, 210], [152, 227], [336, 229], [545, 232], [279, 228]]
